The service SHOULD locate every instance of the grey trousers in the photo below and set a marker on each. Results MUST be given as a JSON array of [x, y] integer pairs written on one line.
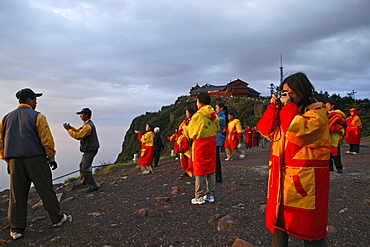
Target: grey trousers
[[23, 171], [281, 238], [86, 169], [205, 185]]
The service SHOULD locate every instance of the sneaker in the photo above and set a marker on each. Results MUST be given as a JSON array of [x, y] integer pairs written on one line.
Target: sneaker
[[339, 171], [146, 172], [229, 159], [15, 235], [242, 156], [62, 221], [209, 198], [354, 153], [199, 200]]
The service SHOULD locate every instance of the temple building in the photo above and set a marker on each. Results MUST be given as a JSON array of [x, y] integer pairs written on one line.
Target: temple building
[[236, 88]]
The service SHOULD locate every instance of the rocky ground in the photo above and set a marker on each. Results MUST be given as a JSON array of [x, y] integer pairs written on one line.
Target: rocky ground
[[132, 209]]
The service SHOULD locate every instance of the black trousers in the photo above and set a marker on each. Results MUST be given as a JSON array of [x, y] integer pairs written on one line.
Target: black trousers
[[218, 165], [335, 160], [354, 148], [156, 155]]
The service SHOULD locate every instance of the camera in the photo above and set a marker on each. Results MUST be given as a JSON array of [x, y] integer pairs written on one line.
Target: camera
[[280, 93]]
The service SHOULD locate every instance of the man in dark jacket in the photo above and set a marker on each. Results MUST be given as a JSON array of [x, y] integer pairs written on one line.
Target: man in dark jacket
[[157, 146], [27, 145], [89, 145]]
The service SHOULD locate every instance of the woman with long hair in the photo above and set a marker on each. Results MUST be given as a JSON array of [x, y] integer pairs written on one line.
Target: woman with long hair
[[298, 182]]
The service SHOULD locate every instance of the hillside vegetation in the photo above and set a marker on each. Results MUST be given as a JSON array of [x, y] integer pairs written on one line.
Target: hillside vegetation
[[248, 110]]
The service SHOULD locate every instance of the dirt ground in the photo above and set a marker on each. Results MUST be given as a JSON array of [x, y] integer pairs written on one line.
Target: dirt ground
[[109, 216]]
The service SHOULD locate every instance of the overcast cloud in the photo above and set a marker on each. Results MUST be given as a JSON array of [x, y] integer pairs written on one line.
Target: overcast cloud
[[123, 58]]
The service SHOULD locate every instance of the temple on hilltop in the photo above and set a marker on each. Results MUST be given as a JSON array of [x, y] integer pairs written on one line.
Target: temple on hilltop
[[236, 88]]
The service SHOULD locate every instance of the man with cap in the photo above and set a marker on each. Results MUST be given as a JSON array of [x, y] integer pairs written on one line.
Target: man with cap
[[89, 145], [27, 145]]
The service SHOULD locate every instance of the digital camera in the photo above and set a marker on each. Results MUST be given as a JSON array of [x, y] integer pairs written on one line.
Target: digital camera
[[280, 93]]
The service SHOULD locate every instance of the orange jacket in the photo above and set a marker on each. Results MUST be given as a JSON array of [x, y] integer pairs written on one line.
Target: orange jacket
[[298, 183]]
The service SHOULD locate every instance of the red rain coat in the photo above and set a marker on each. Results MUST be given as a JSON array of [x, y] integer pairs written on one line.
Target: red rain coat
[[185, 157], [146, 151], [248, 137], [298, 182], [336, 121], [202, 130], [173, 139], [354, 128], [234, 133]]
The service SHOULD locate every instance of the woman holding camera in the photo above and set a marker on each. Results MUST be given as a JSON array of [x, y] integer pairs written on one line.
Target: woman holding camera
[[298, 183]]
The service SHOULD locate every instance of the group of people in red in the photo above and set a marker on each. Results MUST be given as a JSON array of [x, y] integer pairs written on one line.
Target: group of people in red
[[252, 137]]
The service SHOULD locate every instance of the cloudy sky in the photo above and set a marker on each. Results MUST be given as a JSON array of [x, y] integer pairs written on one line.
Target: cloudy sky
[[123, 58]]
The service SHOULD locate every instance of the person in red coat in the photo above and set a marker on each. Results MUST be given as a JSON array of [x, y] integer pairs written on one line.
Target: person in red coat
[[298, 181], [185, 159], [173, 138], [234, 134], [146, 151], [353, 132], [255, 137], [248, 137]]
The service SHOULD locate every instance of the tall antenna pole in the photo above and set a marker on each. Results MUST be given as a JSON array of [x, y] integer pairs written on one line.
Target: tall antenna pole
[[281, 68]]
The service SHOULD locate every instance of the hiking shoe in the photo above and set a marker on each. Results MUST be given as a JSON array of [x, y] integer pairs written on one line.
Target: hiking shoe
[[209, 198], [199, 200], [91, 189], [15, 235], [62, 221]]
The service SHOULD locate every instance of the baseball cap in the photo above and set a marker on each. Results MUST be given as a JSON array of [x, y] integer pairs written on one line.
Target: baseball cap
[[26, 93], [84, 111]]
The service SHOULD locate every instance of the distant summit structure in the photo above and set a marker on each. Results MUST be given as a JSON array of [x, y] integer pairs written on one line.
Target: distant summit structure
[[236, 88]]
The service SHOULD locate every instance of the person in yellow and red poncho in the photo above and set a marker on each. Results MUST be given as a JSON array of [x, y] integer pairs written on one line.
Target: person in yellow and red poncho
[[202, 131], [234, 133], [353, 132], [337, 121], [298, 181], [146, 151], [173, 138], [185, 159]]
